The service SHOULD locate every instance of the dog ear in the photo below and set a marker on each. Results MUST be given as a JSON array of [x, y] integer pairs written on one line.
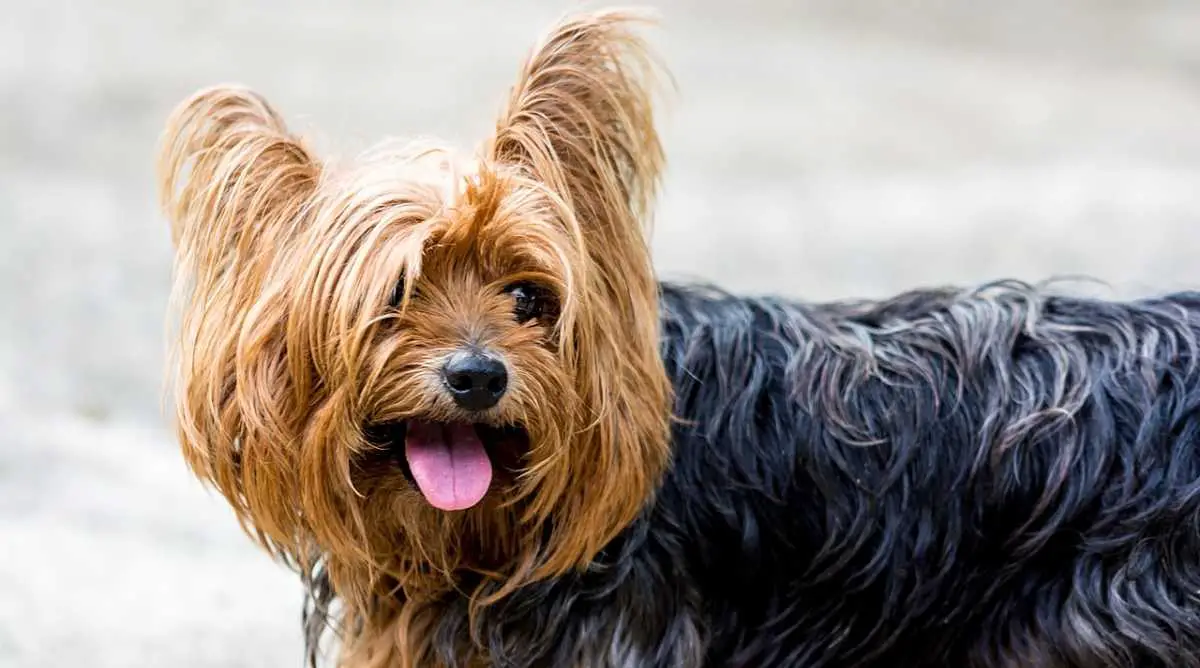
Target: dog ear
[[579, 125], [234, 185], [580, 121], [230, 176]]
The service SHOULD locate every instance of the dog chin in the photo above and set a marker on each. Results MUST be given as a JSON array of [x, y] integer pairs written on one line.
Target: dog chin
[[454, 465]]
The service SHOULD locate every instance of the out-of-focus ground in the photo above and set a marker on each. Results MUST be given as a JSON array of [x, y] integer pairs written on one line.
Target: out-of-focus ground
[[818, 148]]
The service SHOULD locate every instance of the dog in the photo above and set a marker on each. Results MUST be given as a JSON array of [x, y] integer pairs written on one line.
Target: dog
[[448, 388]]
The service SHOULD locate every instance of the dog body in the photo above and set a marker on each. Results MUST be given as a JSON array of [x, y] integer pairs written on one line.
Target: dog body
[[450, 391], [994, 478]]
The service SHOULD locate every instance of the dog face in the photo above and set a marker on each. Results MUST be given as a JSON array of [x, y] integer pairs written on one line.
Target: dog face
[[427, 362]]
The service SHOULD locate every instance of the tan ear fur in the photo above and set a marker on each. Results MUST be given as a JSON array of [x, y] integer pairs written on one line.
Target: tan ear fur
[[580, 124], [235, 185]]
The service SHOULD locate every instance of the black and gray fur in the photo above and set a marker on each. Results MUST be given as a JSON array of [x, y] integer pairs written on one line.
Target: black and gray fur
[[984, 479]]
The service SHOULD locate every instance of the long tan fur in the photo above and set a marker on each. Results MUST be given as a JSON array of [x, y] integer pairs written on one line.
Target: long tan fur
[[580, 123]]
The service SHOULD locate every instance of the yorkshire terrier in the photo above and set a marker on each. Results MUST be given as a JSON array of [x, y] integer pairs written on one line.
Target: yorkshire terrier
[[448, 388]]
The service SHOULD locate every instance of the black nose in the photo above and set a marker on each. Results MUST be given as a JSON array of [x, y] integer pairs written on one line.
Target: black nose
[[476, 381]]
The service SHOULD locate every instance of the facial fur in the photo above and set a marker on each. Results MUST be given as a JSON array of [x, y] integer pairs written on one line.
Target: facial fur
[[320, 306]]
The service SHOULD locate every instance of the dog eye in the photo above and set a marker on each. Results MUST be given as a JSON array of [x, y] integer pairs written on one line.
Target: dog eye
[[530, 301], [397, 293]]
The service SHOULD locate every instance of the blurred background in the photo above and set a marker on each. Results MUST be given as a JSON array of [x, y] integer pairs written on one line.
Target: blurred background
[[820, 148]]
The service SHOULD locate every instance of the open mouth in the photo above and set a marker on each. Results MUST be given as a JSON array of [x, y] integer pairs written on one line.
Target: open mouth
[[453, 464]]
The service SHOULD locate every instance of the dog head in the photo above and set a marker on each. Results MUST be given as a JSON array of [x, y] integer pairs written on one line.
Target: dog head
[[427, 362]]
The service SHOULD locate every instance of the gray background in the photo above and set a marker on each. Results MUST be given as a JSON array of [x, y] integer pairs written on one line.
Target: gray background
[[819, 148]]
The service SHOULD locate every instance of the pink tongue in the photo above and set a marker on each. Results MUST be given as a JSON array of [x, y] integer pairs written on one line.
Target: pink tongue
[[449, 464]]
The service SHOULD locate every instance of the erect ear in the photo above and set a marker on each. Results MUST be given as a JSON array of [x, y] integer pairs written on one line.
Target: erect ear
[[580, 121], [579, 126], [231, 177]]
